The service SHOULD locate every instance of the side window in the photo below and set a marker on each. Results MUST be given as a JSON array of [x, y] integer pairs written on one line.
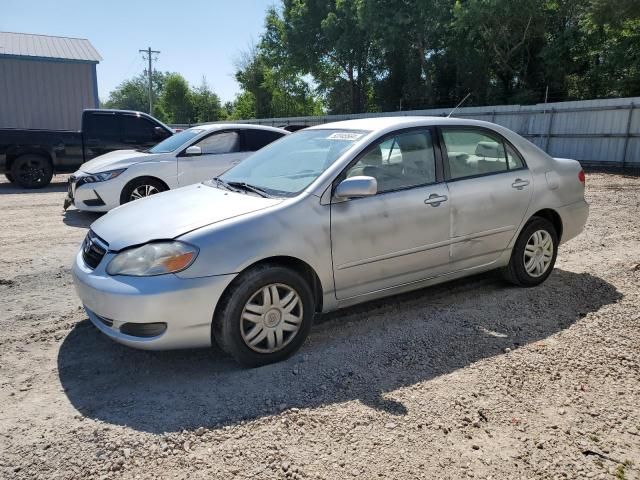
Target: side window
[[256, 139], [472, 153], [101, 126], [136, 129], [223, 142], [404, 161], [513, 159]]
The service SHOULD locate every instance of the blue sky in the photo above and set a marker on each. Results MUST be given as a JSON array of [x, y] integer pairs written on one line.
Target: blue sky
[[197, 37]]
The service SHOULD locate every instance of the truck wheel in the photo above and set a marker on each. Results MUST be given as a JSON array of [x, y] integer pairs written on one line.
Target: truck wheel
[[9, 177], [32, 171], [141, 187]]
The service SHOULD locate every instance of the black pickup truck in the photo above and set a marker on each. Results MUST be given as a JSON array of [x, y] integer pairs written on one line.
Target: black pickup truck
[[29, 158]]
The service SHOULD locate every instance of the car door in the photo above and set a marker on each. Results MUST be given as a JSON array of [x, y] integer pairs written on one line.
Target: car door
[[490, 189], [219, 152], [399, 235]]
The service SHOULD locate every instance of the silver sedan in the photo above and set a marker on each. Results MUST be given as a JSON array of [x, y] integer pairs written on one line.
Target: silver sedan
[[328, 217]]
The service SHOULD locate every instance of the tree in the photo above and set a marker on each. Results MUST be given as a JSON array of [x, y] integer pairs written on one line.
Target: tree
[[276, 86], [328, 40], [176, 99], [206, 104], [508, 35], [133, 94]]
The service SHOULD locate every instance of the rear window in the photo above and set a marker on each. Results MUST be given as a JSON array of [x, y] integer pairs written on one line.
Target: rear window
[[256, 139], [102, 126]]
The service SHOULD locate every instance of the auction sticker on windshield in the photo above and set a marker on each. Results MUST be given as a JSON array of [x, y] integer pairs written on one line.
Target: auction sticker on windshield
[[345, 136]]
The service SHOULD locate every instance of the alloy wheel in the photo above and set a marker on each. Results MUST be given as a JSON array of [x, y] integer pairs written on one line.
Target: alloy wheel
[[32, 172], [143, 191], [271, 318]]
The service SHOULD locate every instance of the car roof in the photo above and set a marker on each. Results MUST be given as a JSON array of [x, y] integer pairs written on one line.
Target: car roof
[[382, 123], [248, 126]]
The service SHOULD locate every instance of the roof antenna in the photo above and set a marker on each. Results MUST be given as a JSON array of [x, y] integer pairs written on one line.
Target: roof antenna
[[457, 106]]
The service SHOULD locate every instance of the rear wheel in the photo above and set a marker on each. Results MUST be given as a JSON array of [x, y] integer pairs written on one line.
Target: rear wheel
[[31, 171], [265, 316], [9, 177], [141, 187], [534, 254]]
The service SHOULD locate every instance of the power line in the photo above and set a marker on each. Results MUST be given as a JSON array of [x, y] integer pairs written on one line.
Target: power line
[[148, 54]]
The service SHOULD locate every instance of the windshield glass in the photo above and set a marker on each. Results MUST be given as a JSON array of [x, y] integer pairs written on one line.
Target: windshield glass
[[289, 165], [175, 141]]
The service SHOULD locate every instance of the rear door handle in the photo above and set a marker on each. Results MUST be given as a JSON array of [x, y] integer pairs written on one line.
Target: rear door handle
[[520, 184], [435, 200]]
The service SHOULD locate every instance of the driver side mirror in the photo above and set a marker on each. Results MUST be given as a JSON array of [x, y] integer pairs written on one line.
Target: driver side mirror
[[357, 187], [193, 151]]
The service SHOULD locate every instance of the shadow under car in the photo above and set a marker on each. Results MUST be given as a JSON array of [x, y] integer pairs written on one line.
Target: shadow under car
[[358, 353]]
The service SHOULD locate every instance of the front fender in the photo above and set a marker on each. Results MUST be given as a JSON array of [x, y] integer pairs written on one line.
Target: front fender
[[298, 229]]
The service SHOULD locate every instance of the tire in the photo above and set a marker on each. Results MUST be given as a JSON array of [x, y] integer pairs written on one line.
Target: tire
[[9, 177], [247, 334], [533, 267], [31, 171], [143, 186]]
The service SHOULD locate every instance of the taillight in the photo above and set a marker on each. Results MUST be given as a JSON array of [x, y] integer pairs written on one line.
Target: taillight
[[581, 177]]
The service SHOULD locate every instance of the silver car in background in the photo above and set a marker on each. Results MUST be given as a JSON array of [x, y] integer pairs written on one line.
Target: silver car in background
[[330, 216]]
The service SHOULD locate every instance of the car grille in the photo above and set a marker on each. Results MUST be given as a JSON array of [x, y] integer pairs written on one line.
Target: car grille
[[93, 249]]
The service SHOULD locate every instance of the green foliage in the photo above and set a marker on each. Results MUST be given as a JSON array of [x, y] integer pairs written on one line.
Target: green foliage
[[133, 94], [382, 55], [206, 104], [174, 100], [344, 56], [272, 85]]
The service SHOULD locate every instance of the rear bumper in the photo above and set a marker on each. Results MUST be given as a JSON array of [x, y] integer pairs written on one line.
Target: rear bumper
[[574, 217], [186, 306]]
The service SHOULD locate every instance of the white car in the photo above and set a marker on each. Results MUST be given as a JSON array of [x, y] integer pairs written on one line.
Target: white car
[[191, 156]]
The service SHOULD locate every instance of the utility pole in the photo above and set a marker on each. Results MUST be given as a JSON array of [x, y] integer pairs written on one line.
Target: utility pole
[[147, 54]]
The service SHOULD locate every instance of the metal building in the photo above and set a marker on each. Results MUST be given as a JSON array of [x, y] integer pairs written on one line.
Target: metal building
[[46, 82]]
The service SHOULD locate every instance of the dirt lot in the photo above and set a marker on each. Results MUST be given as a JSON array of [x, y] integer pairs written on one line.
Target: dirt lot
[[469, 379]]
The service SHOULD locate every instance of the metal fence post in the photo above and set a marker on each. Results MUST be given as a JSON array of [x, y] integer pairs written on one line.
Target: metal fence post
[[627, 135], [546, 144]]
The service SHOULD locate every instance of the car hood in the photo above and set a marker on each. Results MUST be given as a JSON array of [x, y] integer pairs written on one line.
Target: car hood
[[173, 213], [116, 159]]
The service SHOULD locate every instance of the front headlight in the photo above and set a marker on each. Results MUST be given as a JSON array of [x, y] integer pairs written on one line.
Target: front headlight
[[156, 258], [102, 176]]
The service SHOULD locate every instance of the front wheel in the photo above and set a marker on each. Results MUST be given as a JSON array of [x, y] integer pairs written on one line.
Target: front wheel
[[141, 187], [9, 177], [265, 316], [534, 254]]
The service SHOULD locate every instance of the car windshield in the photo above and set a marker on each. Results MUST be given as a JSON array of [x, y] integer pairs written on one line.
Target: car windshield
[[287, 166], [175, 141]]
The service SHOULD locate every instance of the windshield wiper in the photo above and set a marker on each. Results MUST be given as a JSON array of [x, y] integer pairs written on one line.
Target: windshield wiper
[[225, 185], [250, 188]]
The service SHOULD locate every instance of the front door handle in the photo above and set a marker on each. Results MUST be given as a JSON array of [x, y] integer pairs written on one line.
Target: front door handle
[[520, 184], [435, 200]]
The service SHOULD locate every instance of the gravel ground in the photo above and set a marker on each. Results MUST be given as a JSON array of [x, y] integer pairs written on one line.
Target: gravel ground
[[469, 379]]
